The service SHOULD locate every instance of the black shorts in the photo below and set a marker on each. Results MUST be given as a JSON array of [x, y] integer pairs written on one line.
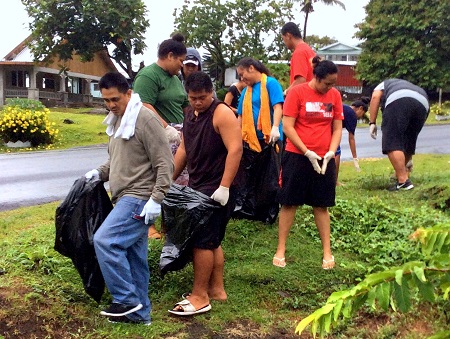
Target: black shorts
[[402, 122], [212, 235], [301, 185]]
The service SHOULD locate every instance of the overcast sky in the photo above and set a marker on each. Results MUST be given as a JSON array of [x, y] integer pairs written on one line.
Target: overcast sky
[[330, 21]]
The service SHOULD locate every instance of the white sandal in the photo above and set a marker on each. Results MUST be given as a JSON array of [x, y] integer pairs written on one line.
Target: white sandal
[[326, 262], [188, 309]]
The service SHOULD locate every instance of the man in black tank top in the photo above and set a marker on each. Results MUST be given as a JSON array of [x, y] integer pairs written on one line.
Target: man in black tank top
[[212, 149]]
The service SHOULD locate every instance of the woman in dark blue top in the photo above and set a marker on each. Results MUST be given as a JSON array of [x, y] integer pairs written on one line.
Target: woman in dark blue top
[[351, 115]]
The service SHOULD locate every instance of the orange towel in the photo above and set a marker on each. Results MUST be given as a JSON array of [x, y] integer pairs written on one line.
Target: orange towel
[[263, 124]]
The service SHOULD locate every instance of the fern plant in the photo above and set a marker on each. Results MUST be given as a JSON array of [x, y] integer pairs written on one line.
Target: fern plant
[[392, 288]]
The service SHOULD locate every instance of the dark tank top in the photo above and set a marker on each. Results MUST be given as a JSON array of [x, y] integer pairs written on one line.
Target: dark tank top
[[205, 150]]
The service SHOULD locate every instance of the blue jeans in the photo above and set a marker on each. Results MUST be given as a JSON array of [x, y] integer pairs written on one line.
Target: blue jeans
[[121, 246]]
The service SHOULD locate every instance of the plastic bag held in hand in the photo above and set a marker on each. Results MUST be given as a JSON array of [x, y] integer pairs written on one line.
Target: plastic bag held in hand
[[313, 158], [221, 195], [326, 158], [92, 175], [151, 210], [356, 164], [172, 134], [274, 134], [373, 131]]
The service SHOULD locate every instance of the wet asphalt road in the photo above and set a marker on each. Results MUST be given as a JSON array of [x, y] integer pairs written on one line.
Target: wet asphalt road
[[39, 177], [33, 178]]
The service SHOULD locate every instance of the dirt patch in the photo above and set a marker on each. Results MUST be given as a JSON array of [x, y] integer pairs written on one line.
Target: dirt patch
[[27, 314], [396, 325], [438, 197], [18, 323]]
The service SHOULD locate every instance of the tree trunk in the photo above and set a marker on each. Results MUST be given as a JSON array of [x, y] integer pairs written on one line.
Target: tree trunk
[[304, 26]]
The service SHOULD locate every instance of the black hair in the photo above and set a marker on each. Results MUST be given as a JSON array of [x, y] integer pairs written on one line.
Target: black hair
[[362, 102], [114, 80], [175, 45], [359, 103], [198, 81], [291, 27], [258, 65], [365, 100], [322, 68]]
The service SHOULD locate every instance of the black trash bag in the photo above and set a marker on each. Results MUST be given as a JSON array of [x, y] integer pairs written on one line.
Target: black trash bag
[[258, 185], [185, 213], [76, 219]]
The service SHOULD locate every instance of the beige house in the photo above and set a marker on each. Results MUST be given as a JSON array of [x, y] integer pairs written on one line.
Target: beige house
[[345, 57], [340, 52], [21, 77]]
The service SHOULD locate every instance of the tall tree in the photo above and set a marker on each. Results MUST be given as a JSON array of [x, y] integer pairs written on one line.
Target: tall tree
[[307, 8], [84, 27], [256, 27], [230, 30], [408, 40], [204, 23], [317, 42]]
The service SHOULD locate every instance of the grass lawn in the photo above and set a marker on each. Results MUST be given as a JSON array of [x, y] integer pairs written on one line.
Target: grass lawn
[[41, 294]]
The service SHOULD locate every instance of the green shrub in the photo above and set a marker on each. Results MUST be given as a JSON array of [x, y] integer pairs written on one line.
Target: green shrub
[[374, 230], [220, 93], [26, 120], [280, 71], [33, 105]]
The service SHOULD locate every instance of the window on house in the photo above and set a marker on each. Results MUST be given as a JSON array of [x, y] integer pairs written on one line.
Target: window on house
[[20, 79], [48, 83], [73, 85], [343, 58]]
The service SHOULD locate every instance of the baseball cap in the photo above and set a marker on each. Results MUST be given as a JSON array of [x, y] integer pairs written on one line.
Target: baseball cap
[[190, 59]]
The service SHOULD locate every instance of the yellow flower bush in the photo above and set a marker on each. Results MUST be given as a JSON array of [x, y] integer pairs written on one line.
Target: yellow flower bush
[[26, 120], [443, 110]]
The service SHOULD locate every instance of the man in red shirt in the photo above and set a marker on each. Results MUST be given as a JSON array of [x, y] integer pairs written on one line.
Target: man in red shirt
[[301, 67]]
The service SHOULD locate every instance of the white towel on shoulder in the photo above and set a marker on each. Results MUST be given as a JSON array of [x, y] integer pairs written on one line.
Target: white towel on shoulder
[[128, 123]]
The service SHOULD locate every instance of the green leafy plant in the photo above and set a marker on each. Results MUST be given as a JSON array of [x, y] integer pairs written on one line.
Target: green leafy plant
[[375, 230], [392, 288], [26, 120]]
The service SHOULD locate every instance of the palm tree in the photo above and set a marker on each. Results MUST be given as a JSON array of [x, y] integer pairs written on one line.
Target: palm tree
[[307, 7]]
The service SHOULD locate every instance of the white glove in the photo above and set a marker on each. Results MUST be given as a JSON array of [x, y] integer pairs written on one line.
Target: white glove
[[313, 158], [221, 195], [274, 134], [373, 131], [326, 158], [356, 164], [151, 210], [92, 175], [172, 134]]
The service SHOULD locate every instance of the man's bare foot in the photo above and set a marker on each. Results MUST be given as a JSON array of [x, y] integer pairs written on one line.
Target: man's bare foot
[[153, 233], [196, 301], [218, 295]]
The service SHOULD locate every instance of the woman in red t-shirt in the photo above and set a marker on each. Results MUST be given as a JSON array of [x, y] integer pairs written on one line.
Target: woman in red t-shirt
[[312, 123]]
